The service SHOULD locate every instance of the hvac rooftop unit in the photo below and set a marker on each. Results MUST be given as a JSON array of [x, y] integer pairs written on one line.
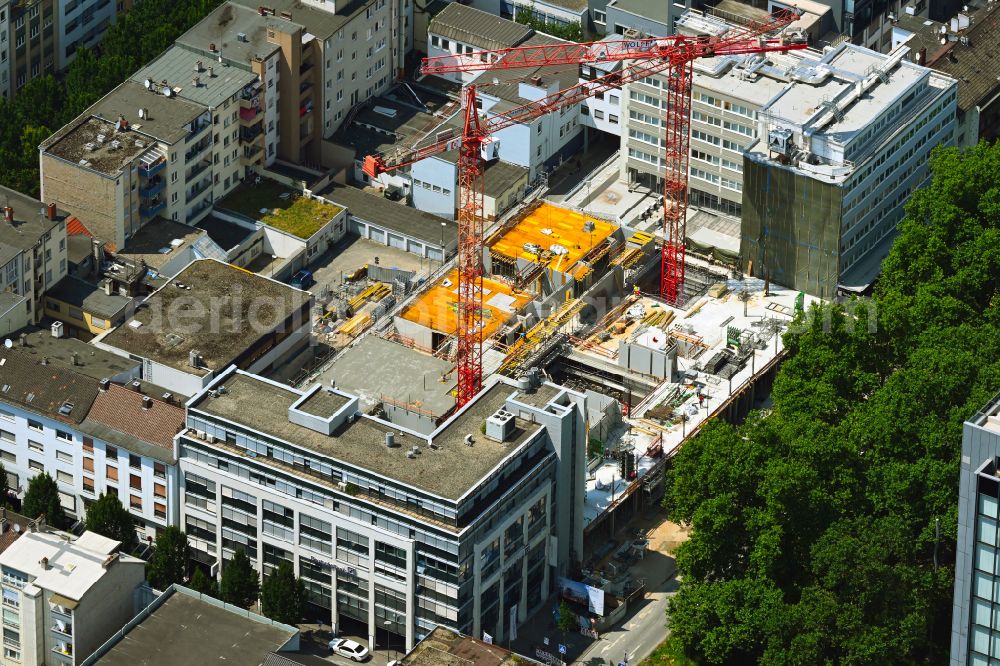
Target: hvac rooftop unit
[[500, 425], [57, 329]]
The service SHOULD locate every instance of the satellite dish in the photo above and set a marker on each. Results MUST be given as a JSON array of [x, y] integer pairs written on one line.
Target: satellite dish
[[7, 343], [17, 528]]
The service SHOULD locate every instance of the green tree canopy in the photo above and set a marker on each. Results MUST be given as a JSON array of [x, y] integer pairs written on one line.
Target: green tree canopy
[[202, 583], [4, 487], [566, 622], [814, 525], [42, 499], [240, 584], [282, 595], [169, 562], [108, 517]]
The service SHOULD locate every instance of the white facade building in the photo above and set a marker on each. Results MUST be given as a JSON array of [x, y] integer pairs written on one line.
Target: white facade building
[[453, 528], [63, 596]]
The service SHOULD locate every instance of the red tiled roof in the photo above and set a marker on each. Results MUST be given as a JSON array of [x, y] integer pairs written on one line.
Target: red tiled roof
[[74, 227], [121, 409]]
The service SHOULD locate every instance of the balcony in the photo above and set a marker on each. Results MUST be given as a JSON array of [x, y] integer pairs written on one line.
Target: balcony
[[150, 170], [250, 134], [151, 209], [197, 150], [62, 629], [305, 68], [65, 649], [251, 115], [305, 108], [199, 188], [196, 130], [197, 169], [155, 186], [252, 154], [304, 88], [196, 212]]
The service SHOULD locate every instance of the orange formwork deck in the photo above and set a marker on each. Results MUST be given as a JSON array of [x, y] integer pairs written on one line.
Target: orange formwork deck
[[549, 225], [437, 308]]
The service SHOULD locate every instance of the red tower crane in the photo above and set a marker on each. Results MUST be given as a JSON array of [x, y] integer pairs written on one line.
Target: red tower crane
[[640, 58]]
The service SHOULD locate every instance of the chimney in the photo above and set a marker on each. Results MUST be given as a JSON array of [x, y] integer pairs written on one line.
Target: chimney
[[199, 67], [97, 248], [8, 214], [211, 72], [45, 360], [45, 563], [50, 211], [108, 285], [75, 357], [196, 81], [24, 340], [147, 402], [390, 440], [104, 384], [922, 56], [136, 386], [211, 47]]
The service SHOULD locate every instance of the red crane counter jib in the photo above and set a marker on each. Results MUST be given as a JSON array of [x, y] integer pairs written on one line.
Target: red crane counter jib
[[640, 59]]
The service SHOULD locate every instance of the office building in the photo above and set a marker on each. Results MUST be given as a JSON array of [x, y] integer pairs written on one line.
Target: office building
[[405, 530], [975, 640], [840, 171], [32, 256], [460, 29], [63, 595]]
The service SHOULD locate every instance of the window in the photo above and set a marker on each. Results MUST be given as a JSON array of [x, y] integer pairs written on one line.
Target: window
[[88, 464], [159, 470], [134, 461], [600, 17], [135, 502], [6, 436], [7, 456], [35, 465], [135, 481], [88, 485], [64, 477], [159, 510], [6, 416], [63, 456], [36, 447], [613, 119], [112, 473], [159, 490], [111, 453]]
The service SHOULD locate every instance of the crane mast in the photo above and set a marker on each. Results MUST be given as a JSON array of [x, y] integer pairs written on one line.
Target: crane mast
[[640, 59]]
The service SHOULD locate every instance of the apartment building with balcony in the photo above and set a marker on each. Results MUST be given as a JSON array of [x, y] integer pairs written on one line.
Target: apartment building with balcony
[[137, 154], [90, 434], [386, 526], [63, 596], [39, 37], [32, 254]]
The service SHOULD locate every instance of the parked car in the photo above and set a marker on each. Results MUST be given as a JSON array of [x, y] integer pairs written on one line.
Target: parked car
[[302, 280], [349, 649]]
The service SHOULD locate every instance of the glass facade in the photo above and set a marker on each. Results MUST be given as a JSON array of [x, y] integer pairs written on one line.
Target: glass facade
[[984, 634]]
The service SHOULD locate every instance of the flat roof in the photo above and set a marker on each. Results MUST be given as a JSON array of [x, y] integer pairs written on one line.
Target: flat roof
[[477, 28], [547, 226], [167, 121], [654, 10], [226, 234], [376, 367], [78, 248], [159, 241], [373, 131], [90, 361], [303, 218], [187, 630], [177, 65], [29, 224], [437, 307], [230, 294], [444, 647], [88, 297], [508, 89], [449, 471], [323, 403], [73, 565], [397, 217]]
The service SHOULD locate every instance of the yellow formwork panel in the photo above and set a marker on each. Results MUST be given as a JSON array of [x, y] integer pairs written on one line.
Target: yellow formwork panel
[[549, 225], [437, 308]]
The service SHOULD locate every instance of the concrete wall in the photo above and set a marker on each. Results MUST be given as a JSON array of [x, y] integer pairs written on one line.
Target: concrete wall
[[435, 190], [646, 360], [106, 606], [15, 317], [84, 193]]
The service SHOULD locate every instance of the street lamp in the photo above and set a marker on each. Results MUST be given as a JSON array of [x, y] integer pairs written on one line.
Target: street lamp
[[387, 624]]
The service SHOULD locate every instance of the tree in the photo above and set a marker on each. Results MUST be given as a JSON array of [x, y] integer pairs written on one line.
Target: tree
[[42, 499], [109, 518], [4, 487], [525, 15], [813, 526], [282, 595], [202, 583], [169, 562], [240, 584], [566, 622]]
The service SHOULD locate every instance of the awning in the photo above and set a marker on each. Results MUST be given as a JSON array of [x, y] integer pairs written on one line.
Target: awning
[[65, 602]]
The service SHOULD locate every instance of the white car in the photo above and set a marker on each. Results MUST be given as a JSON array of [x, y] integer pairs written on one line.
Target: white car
[[349, 649]]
